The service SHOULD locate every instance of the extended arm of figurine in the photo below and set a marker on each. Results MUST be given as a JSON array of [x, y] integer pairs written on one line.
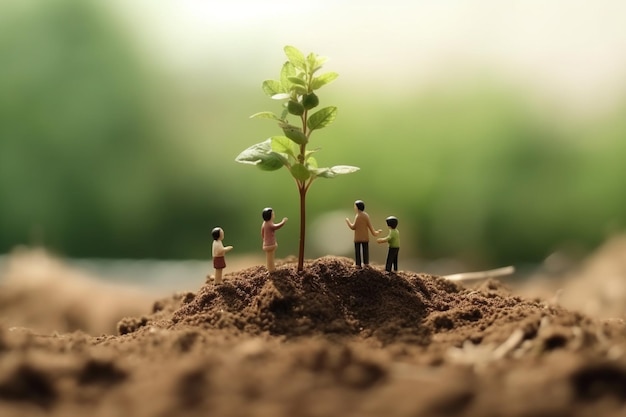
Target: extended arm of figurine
[[384, 239], [374, 232], [349, 223], [220, 249], [281, 224]]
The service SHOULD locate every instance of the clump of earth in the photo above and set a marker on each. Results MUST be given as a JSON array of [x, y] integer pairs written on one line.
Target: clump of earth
[[332, 340]]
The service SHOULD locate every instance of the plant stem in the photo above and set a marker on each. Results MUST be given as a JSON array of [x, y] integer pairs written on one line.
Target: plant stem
[[302, 190]]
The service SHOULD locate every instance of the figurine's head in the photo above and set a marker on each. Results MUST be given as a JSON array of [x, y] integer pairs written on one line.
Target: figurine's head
[[268, 213], [392, 222], [360, 205], [217, 233]]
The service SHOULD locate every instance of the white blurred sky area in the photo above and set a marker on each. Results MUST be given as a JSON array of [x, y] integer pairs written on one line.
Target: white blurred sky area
[[571, 49]]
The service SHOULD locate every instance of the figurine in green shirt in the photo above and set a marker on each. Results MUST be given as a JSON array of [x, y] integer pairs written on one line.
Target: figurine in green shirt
[[393, 238]]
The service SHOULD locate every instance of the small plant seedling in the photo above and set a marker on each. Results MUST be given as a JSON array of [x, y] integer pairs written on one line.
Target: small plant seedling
[[299, 80]]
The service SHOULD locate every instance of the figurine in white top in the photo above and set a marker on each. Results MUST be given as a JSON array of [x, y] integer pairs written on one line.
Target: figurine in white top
[[219, 250]]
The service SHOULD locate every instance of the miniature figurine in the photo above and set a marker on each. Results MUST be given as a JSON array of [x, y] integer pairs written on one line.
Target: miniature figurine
[[393, 238], [361, 226], [219, 262], [268, 229]]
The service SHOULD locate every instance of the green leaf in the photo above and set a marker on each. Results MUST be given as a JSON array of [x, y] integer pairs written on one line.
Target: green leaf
[[271, 87], [298, 81], [311, 152], [282, 144], [300, 172], [294, 133], [295, 108], [310, 61], [322, 80], [295, 57], [265, 115], [344, 169], [286, 72], [310, 101], [311, 162], [299, 89], [322, 118], [320, 172], [262, 156], [334, 171], [315, 62], [281, 96]]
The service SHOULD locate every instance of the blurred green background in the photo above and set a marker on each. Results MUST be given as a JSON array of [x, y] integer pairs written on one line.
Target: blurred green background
[[496, 134]]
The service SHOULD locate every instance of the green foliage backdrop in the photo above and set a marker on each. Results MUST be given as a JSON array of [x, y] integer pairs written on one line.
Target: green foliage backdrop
[[101, 155]]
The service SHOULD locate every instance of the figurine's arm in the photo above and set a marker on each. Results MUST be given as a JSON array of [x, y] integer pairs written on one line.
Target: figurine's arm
[[384, 239], [228, 249], [350, 224], [281, 224], [374, 232]]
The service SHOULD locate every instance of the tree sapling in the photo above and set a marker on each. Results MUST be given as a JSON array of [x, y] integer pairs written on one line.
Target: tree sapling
[[297, 85]]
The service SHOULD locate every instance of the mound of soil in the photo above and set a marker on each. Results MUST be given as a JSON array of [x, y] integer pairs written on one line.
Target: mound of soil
[[45, 294], [333, 340]]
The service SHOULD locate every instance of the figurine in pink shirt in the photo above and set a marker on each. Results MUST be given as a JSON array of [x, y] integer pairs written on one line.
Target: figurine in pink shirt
[[268, 230]]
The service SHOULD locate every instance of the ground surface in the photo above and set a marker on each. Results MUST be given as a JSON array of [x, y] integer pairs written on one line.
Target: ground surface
[[333, 341]]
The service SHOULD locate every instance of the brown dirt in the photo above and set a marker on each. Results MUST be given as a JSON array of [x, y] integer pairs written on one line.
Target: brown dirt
[[332, 341]]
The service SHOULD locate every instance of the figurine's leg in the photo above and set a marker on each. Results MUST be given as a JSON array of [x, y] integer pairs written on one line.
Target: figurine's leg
[[269, 257], [366, 253], [389, 261], [357, 253], [395, 259], [218, 276], [392, 259]]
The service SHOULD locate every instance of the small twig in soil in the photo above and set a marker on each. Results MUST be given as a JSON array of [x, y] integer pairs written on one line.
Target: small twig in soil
[[515, 339], [492, 273]]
